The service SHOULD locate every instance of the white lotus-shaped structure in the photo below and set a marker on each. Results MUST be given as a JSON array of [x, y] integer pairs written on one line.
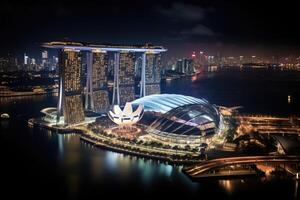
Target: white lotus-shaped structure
[[127, 117]]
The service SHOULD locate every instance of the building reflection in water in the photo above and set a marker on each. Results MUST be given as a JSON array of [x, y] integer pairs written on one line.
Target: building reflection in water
[[194, 78], [111, 159], [60, 145], [146, 171], [165, 170], [70, 154], [49, 134], [296, 189], [5, 124], [125, 165], [96, 166]]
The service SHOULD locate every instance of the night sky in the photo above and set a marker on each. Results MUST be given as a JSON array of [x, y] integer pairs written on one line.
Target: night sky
[[233, 28]]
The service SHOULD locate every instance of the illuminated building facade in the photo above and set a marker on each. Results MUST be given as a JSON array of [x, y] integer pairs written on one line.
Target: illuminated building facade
[[185, 66], [124, 73], [126, 77], [70, 91], [152, 74], [189, 66], [124, 64], [97, 94]]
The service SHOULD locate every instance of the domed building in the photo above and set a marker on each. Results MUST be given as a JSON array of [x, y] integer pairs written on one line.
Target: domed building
[[180, 119]]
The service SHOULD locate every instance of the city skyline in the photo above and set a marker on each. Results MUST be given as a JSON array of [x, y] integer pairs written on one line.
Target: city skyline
[[231, 28], [116, 98]]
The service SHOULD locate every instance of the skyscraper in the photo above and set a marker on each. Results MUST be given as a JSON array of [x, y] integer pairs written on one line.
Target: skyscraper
[[97, 94], [188, 65], [123, 70], [124, 80], [70, 100], [180, 66], [44, 54], [44, 58], [26, 59], [152, 73]]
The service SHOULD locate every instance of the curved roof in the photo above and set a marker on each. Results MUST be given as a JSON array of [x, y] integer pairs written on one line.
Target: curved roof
[[49, 111], [194, 119], [165, 102], [181, 115]]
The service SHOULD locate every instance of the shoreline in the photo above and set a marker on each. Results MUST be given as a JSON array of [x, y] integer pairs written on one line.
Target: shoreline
[[87, 138]]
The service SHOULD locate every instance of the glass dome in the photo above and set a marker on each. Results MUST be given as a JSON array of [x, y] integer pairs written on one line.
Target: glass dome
[[181, 115], [165, 102]]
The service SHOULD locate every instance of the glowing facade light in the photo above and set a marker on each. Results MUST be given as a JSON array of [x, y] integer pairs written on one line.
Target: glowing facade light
[[194, 54]]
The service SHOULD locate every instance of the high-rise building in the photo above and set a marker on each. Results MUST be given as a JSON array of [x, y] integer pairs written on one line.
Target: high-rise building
[[26, 59], [179, 66], [8, 63], [45, 55], [45, 62], [124, 79], [32, 61], [202, 59], [188, 65], [185, 66], [70, 99], [4, 66], [152, 73], [97, 94], [123, 66], [100, 92]]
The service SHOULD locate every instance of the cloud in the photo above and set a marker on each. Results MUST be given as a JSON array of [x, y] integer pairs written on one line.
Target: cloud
[[199, 30], [183, 11]]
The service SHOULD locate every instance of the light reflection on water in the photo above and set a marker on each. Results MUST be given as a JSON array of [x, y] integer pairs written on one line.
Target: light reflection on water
[[102, 162], [296, 189], [111, 160], [60, 146], [81, 165], [228, 185]]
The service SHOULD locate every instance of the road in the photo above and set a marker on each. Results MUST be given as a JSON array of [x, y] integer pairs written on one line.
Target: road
[[200, 169]]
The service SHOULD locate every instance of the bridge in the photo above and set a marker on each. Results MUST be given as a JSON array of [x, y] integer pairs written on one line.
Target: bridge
[[202, 170]]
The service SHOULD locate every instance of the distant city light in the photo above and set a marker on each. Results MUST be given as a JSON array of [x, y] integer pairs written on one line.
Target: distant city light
[[194, 54]]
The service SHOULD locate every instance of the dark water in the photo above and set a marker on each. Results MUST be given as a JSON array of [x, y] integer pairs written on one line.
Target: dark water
[[38, 164]]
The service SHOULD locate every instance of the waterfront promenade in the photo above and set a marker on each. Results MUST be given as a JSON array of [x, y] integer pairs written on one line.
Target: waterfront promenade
[[114, 144]]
